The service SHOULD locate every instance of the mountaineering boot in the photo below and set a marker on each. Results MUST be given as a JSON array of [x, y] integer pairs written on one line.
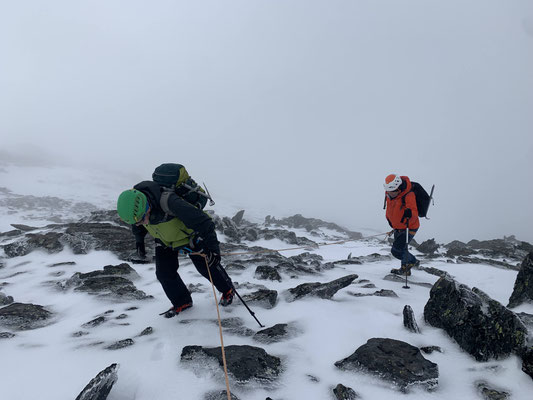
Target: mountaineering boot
[[227, 298], [175, 310], [403, 270]]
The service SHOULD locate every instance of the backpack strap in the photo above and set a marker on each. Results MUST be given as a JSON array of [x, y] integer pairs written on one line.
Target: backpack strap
[[164, 201]]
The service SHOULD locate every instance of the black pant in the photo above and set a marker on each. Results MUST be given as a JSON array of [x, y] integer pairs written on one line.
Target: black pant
[[399, 249], [166, 271]]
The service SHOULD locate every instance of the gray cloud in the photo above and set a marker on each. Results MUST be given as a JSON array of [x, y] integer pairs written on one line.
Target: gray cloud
[[302, 106]]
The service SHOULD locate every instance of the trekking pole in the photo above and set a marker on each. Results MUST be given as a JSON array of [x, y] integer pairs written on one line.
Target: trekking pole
[[406, 254], [248, 308]]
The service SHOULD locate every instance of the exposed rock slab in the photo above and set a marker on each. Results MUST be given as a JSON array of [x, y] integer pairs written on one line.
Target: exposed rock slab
[[245, 363], [262, 298], [322, 290], [342, 392], [393, 360]]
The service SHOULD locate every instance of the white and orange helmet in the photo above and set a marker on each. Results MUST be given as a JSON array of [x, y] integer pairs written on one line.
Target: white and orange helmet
[[392, 182]]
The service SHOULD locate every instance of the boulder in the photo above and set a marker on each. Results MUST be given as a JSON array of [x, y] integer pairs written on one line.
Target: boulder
[[428, 247], [523, 286], [394, 361], [322, 290], [457, 248], [237, 218], [527, 361], [480, 325], [100, 386], [20, 316], [219, 395], [262, 298], [245, 363], [267, 272]]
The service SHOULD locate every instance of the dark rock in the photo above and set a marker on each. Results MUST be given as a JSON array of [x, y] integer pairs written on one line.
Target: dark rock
[[95, 322], [348, 261], [527, 320], [232, 266], [237, 218], [342, 392], [219, 395], [434, 271], [122, 316], [121, 344], [100, 386], [457, 248], [24, 228], [6, 335], [309, 224], [431, 349], [48, 241], [61, 264], [495, 263], [147, 331], [409, 320], [107, 283], [22, 316], [276, 333], [268, 273], [428, 247], [263, 298], [507, 247], [244, 362], [235, 325], [313, 378], [523, 286], [369, 286], [394, 361], [489, 393], [379, 293], [198, 288], [5, 299], [401, 279], [322, 290], [480, 325], [80, 334], [527, 361]]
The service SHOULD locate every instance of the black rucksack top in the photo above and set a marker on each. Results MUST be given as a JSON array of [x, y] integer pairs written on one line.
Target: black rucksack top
[[422, 198]]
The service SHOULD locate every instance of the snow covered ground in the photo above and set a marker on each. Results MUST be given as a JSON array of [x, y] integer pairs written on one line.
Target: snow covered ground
[[49, 363]]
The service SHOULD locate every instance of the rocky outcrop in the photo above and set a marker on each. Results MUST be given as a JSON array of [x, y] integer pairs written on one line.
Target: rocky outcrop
[[219, 395], [394, 361], [322, 290], [20, 316], [49, 242], [245, 363], [523, 286], [480, 325], [112, 281], [310, 224], [100, 386]]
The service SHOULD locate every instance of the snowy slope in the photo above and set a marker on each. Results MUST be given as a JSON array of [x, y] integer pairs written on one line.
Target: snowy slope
[[51, 363]]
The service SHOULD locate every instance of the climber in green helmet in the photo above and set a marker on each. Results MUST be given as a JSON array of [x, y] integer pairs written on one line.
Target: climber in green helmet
[[177, 226]]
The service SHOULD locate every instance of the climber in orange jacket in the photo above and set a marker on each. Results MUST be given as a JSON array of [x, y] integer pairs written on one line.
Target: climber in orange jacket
[[401, 209]]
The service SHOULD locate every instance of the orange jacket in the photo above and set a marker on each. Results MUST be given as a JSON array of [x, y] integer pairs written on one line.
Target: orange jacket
[[397, 205]]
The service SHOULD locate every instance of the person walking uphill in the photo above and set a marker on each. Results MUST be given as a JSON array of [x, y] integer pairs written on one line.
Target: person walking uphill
[[182, 227], [401, 210]]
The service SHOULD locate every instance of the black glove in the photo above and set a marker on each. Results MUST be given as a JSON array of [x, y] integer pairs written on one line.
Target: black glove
[[407, 214], [141, 251], [212, 258]]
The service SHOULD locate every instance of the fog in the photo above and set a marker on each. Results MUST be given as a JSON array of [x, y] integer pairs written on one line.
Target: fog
[[294, 106]]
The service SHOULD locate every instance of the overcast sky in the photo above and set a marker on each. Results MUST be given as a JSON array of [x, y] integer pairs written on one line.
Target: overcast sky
[[302, 106]]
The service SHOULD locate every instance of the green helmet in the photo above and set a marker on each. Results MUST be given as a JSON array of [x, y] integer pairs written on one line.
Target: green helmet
[[131, 206]]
